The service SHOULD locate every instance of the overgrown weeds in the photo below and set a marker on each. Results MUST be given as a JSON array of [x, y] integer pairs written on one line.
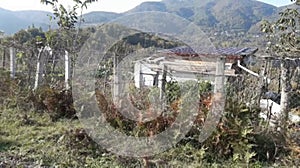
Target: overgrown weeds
[[40, 130]]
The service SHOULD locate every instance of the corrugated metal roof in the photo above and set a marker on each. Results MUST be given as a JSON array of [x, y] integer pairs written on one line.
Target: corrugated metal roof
[[188, 51], [186, 66]]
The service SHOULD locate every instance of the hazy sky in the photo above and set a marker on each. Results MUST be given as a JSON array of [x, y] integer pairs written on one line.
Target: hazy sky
[[101, 5]]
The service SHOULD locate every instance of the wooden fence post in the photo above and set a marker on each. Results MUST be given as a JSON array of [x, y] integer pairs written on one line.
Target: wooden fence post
[[285, 94], [116, 91], [12, 52], [220, 78], [4, 58], [39, 68], [163, 82], [67, 70], [138, 77]]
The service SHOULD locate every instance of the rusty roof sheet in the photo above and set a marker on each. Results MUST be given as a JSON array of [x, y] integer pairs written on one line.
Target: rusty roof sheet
[[188, 51]]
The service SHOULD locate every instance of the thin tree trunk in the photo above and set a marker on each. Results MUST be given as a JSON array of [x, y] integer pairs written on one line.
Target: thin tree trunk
[[39, 69], [285, 94]]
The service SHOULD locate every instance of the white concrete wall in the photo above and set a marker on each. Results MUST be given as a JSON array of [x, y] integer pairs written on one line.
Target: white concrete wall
[[267, 104], [144, 76]]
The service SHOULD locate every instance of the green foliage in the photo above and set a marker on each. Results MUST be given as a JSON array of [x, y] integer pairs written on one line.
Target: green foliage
[[234, 134], [67, 19], [105, 69], [174, 89], [28, 39], [282, 34], [135, 41], [183, 155], [7, 88], [13, 92]]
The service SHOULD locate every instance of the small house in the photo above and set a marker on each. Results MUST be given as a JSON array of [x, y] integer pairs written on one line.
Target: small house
[[183, 64]]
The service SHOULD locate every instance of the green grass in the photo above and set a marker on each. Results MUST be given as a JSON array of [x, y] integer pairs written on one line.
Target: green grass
[[28, 138]]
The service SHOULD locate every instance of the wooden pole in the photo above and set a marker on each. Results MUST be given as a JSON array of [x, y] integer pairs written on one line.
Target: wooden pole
[[163, 82]]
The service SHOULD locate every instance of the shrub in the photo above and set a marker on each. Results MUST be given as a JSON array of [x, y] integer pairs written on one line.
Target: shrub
[[268, 146], [58, 103], [7, 87], [142, 99], [234, 134]]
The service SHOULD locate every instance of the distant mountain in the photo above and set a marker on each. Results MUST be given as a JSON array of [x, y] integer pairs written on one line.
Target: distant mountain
[[12, 22], [256, 27], [211, 15], [224, 14], [149, 6], [217, 14], [99, 17], [34, 16]]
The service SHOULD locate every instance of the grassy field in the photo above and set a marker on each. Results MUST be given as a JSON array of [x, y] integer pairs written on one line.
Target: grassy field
[[30, 137]]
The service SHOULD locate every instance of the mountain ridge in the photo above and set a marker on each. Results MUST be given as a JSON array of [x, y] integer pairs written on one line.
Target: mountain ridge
[[221, 15]]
